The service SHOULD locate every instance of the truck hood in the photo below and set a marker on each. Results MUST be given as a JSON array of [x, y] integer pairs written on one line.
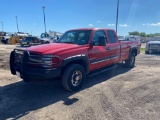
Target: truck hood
[[53, 48]]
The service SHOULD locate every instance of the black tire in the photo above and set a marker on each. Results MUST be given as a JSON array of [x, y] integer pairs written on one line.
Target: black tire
[[147, 52], [129, 63], [70, 76], [12, 63]]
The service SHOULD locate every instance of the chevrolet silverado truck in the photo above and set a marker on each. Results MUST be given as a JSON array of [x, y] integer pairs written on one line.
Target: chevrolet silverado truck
[[76, 54]]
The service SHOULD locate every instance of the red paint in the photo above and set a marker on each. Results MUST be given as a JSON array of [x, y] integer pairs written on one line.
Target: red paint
[[64, 50]]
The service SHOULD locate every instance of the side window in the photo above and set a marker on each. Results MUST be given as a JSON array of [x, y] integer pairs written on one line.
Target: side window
[[97, 34], [112, 36]]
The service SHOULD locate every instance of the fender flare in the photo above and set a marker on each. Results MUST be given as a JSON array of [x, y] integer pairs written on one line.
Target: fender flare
[[72, 59], [132, 49]]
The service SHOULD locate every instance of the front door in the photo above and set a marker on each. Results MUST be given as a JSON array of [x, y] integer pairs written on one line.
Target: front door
[[98, 55]]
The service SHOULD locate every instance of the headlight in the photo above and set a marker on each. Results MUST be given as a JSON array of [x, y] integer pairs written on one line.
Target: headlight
[[49, 61], [46, 61]]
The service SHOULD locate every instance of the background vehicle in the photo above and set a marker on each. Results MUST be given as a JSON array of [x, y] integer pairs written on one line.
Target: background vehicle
[[121, 37], [2, 34], [49, 37], [152, 46], [77, 53], [5, 38], [30, 41], [16, 37]]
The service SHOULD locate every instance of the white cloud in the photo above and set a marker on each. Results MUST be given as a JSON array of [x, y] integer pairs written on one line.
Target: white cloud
[[90, 25], [111, 24], [152, 24], [98, 21], [123, 25]]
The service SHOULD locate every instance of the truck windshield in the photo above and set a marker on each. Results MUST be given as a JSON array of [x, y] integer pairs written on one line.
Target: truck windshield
[[79, 37]]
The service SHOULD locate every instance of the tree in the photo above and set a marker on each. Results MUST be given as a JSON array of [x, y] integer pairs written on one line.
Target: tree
[[143, 34], [134, 33]]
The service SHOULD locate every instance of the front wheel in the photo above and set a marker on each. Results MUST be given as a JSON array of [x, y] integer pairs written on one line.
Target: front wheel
[[73, 77], [130, 61]]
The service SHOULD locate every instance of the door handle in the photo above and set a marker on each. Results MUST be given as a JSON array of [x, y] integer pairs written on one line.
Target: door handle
[[107, 48]]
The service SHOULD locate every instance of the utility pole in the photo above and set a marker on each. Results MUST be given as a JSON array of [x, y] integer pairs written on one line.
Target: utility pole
[[44, 18], [117, 15], [17, 24], [2, 25]]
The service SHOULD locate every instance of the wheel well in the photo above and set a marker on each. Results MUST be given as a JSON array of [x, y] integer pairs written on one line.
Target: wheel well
[[80, 62], [134, 51]]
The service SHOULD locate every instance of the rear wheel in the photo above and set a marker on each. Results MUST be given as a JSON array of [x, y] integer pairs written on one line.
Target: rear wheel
[[73, 77], [130, 61]]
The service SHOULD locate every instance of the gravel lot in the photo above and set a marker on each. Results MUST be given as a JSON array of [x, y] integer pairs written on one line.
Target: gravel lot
[[119, 94]]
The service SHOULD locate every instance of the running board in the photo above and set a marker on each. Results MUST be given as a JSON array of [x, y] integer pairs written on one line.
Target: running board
[[96, 72]]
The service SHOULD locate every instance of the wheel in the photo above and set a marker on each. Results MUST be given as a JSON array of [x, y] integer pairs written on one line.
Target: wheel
[[147, 52], [73, 77], [12, 63], [130, 61]]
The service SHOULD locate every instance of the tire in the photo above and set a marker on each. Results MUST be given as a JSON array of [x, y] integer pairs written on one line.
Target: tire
[[12, 63], [147, 52], [69, 76], [129, 63]]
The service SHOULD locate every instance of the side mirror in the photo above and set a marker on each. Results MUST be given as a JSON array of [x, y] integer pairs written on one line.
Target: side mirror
[[102, 41]]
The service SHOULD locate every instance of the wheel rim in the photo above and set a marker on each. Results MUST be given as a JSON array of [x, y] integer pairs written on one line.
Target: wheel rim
[[76, 78]]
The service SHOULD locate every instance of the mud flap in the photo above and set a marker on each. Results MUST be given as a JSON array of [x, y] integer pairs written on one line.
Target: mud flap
[[12, 63]]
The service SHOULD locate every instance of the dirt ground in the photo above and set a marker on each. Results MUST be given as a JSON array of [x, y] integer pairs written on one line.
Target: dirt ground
[[119, 94]]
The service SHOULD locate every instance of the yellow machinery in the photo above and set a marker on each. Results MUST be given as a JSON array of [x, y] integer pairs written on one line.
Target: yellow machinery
[[15, 38]]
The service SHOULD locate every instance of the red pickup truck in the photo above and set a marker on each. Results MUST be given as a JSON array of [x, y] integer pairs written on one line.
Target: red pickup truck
[[76, 53]]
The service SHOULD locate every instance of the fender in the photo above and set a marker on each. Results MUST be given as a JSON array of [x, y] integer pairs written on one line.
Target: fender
[[75, 58], [133, 48]]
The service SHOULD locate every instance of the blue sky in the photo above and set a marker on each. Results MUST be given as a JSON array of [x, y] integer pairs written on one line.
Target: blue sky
[[61, 15]]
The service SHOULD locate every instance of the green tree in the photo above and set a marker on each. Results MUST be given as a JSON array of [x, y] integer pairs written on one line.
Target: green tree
[[143, 34], [134, 33]]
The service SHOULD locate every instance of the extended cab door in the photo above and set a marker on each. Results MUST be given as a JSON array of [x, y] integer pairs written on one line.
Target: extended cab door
[[113, 47], [98, 55]]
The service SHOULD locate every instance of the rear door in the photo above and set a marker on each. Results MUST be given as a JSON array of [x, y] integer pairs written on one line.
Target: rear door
[[98, 54], [113, 47]]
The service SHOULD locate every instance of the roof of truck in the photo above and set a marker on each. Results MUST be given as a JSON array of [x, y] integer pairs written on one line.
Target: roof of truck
[[92, 29]]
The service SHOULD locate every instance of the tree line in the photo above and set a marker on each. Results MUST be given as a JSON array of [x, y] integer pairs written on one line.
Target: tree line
[[143, 34]]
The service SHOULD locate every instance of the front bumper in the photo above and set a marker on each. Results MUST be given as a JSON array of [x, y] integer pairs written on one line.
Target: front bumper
[[20, 66], [37, 73], [152, 49]]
